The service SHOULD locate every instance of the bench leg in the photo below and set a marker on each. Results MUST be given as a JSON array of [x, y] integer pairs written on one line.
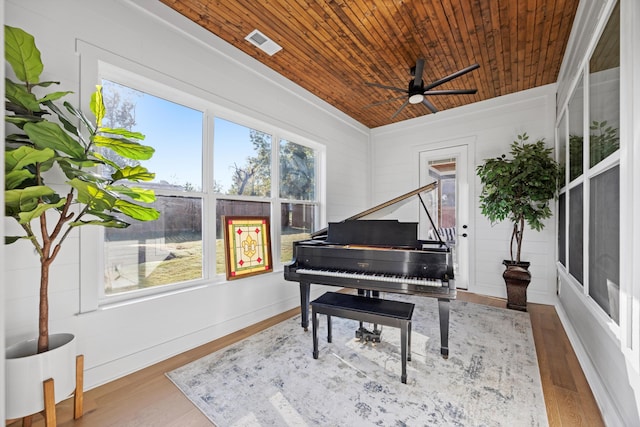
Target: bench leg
[[403, 346], [409, 341], [329, 328], [314, 326], [443, 310]]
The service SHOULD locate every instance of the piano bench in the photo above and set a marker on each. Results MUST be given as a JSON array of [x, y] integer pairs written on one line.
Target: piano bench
[[371, 310]]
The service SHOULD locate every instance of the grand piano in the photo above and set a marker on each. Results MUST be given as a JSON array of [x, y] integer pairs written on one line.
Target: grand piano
[[377, 255]]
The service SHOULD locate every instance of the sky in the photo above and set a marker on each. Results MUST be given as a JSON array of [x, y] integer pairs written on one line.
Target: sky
[[175, 131]]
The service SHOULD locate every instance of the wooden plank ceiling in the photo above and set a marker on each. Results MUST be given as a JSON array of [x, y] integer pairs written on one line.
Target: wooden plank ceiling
[[332, 48]]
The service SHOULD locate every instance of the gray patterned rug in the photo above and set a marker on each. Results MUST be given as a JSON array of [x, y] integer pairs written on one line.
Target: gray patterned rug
[[271, 379]]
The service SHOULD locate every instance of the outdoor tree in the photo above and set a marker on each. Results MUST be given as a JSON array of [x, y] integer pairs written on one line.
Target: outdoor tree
[[297, 166], [254, 177]]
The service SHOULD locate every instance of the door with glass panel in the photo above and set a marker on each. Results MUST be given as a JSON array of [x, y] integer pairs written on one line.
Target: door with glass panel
[[448, 204]]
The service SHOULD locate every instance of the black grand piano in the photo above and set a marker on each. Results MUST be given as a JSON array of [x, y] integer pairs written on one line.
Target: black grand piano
[[375, 256]]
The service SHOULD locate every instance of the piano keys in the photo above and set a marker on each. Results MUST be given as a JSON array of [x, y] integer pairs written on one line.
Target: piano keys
[[378, 256]]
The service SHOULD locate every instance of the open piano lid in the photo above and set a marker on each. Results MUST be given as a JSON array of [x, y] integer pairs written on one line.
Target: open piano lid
[[389, 207]]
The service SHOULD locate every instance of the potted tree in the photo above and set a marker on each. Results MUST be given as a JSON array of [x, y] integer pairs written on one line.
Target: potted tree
[[46, 140], [519, 189]]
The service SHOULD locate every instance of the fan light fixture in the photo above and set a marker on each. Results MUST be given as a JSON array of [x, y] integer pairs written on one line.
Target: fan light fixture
[[418, 93], [416, 98]]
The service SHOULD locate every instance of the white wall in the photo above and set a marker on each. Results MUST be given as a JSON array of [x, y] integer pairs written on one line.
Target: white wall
[[488, 128], [2, 275], [125, 338], [610, 354]]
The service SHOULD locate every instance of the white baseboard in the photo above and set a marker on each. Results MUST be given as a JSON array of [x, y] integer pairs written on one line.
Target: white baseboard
[[606, 405]]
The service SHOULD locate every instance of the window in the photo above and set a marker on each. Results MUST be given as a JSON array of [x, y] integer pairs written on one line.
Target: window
[[576, 132], [589, 206], [604, 177], [169, 250], [297, 189], [236, 170], [242, 160], [576, 233], [246, 185], [604, 242]]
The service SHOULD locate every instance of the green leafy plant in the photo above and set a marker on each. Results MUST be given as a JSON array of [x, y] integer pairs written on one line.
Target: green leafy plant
[[52, 138], [603, 141], [519, 188]]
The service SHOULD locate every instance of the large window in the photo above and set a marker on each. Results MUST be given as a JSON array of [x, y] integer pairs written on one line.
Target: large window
[[236, 169], [590, 203], [169, 250]]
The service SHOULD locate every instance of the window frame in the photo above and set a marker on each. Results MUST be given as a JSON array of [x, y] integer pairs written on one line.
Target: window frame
[[585, 178], [96, 65]]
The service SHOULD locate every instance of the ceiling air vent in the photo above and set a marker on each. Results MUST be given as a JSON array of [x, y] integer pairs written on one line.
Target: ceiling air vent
[[263, 42]]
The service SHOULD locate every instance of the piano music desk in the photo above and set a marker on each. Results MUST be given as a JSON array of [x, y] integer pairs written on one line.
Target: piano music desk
[[371, 310]]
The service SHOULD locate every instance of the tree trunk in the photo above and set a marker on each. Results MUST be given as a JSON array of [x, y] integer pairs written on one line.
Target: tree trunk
[[519, 239], [43, 320]]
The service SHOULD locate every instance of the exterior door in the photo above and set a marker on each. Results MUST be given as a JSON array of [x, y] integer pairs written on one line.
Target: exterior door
[[448, 205]]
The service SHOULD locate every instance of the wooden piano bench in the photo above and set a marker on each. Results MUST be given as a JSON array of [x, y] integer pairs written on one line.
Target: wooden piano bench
[[371, 310]]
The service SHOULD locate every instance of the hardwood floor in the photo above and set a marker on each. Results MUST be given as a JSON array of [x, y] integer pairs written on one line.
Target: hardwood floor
[[148, 398]]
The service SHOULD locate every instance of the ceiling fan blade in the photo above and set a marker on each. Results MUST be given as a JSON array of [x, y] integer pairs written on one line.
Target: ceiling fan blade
[[385, 101], [400, 109], [452, 76], [430, 106], [397, 89], [417, 75], [452, 92]]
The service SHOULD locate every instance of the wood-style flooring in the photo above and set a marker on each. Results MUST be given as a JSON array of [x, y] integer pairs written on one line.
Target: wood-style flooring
[[148, 398]]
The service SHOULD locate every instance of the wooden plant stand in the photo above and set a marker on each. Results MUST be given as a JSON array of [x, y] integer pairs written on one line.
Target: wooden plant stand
[[49, 412]]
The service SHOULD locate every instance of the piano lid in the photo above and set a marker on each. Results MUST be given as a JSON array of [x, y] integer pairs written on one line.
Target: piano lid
[[389, 207]]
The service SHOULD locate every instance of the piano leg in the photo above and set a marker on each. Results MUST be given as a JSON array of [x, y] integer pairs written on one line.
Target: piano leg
[[305, 290], [443, 311]]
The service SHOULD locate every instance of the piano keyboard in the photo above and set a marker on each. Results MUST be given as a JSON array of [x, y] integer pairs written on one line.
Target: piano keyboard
[[373, 276]]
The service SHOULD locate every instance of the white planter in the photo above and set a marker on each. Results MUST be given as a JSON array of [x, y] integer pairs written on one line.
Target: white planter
[[26, 370]]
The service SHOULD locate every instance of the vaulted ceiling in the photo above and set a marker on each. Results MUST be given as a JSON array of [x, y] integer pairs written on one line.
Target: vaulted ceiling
[[333, 48]]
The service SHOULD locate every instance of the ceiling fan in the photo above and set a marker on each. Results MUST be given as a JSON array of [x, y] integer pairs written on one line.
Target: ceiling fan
[[417, 92]]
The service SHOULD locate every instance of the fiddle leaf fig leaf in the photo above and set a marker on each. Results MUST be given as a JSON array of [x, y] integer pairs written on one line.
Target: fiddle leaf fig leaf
[[21, 52], [93, 196], [124, 147], [14, 178], [104, 220], [24, 156], [12, 239], [51, 135], [25, 199], [141, 213], [136, 193], [133, 173], [19, 95], [27, 217], [97, 106], [122, 132]]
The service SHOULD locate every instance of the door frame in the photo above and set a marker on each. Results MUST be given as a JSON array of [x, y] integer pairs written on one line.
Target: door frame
[[462, 151]]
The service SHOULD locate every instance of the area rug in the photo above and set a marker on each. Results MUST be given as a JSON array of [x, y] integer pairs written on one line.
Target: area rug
[[491, 377]]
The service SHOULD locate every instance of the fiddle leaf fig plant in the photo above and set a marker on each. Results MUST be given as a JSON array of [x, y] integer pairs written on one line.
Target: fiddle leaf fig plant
[[519, 188], [53, 140]]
